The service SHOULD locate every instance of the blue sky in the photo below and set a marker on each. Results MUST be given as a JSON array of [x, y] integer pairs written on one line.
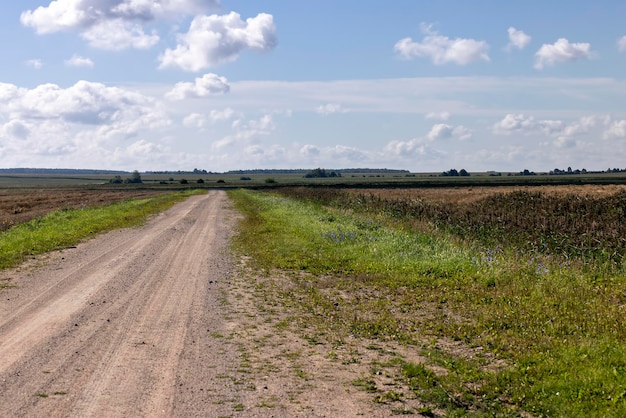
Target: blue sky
[[221, 85]]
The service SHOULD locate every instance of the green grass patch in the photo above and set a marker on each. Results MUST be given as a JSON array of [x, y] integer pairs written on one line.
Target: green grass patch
[[65, 228], [504, 332]]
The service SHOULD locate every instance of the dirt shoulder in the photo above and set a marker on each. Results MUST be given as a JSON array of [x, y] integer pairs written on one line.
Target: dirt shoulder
[[162, 321]]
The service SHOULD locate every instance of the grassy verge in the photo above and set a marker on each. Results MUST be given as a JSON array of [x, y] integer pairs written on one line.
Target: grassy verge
[[65, 228], [501, 333]]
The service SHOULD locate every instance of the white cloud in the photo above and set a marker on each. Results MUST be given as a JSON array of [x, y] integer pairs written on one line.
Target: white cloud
[[221, 115], [198, 120], [203, 86], [443, 116], [561, 51], [78, 61], [195, 120], [109, 110], [111, 24], [213, 40], [117, 35], [616, 130], [35, 63], [440, 131], [621, 44], [517, 39], [442, 50], [329, 108], [409, 149], [345, 153], [245, 132], [443, 131], [515, 124], [563, 132], [310, 150], [15, 129]]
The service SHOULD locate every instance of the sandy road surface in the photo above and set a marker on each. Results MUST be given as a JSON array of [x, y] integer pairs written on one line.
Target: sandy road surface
[[121, 325], [160, 321]]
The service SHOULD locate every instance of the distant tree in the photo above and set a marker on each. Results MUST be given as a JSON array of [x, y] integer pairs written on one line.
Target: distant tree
[[321, 173], [184, 181], [450, 173], [135, 178], [464, 173], [200, 181], [116, 180]]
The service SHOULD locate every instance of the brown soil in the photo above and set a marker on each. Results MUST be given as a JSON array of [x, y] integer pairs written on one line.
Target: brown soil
[[19, 205], [160, 321], [471, 194]]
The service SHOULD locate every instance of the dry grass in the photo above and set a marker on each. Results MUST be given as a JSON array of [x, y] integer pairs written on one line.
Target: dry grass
[[461, 195]]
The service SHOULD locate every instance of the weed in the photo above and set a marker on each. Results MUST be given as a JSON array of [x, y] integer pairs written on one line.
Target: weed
[[366, 384]]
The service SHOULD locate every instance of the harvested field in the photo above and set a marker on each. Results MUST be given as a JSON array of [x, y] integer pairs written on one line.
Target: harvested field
[[472, 194], [22, 205]]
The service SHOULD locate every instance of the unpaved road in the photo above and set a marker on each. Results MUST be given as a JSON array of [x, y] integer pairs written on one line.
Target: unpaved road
[[160, 321], [121, 325]]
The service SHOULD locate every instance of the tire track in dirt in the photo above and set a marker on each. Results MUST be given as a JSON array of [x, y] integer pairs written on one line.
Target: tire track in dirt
[[105, 338]]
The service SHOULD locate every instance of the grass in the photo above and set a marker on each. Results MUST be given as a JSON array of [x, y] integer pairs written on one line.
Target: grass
[[503, 332], [66, 228]]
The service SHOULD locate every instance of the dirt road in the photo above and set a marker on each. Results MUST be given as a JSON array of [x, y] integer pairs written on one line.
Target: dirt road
[[121, 325], [160, 321]]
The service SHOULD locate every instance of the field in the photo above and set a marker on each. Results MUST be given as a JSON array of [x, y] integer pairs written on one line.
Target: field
[[507, 300], [511, 300], [21, 205]]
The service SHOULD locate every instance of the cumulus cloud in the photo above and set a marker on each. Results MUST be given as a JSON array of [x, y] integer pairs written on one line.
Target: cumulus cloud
[[411, 148], [15, 129], [443, 131], [198, 120], [203, 86], [213, 40], [111, 24], [117, 35], [310, 150], [62, 15], [616, 130], [621, 44], [247, 131], [564, 133], [440, 131], [561, 51], [78, 61], [85, 122], [329, 108], [517, 39], [441, 49], [110, 110]]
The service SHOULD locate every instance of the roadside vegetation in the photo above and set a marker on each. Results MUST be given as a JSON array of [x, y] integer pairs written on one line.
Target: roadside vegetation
[[514, 305], [67, 227]]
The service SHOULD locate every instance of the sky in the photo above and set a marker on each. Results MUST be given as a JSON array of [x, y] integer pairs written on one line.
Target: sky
[[223, 85]]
